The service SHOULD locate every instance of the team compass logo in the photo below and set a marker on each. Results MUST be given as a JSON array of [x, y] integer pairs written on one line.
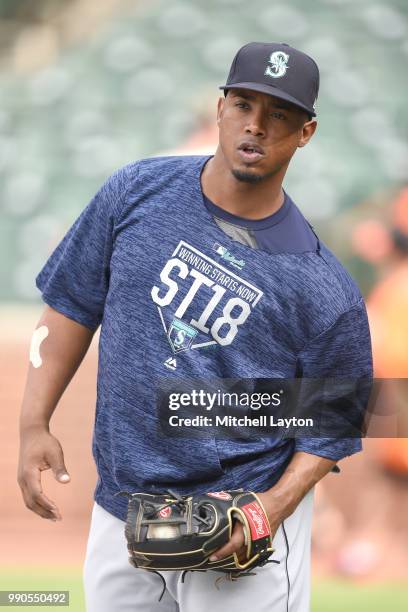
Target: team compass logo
[[181, 335]]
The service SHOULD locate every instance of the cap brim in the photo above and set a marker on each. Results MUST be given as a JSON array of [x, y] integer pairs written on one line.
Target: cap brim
[[272, 91]]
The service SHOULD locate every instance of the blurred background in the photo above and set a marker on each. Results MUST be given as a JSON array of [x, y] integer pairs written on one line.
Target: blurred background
[[88, 86]]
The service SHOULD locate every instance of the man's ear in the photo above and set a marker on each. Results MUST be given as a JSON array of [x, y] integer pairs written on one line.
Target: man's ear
[[220, 107], [308, 130]]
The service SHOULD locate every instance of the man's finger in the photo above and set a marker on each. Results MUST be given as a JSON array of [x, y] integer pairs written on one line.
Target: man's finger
[[55, 458], [235, 543], [39, 509], [43, 513], [34, 494], [242, 554]]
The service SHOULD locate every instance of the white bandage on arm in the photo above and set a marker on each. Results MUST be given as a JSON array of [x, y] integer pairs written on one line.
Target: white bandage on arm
[[38, 336]]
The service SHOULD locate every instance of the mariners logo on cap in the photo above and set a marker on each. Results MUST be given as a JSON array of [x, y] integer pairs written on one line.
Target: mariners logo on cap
[[279, 64]]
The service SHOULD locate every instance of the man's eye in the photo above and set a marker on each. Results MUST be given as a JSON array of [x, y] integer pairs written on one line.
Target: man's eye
[[278, 115], [242, 104]]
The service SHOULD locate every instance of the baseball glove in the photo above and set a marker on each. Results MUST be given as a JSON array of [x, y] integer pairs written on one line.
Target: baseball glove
[[172, 532]]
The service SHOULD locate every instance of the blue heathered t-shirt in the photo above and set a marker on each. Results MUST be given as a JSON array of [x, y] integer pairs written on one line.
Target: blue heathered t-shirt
[[146, 259], [285, 231]]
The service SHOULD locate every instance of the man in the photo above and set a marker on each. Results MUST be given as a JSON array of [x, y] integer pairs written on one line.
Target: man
[[199, 267]]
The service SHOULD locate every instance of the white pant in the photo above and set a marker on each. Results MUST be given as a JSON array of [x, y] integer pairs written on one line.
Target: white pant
[[112, 585]]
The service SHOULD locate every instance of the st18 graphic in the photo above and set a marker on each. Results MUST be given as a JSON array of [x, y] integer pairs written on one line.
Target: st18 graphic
[[190, 274]]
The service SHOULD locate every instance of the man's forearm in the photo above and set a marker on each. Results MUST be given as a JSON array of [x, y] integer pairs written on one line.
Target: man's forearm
[[61, 352], [57, 348], [302, 473], [280, 501]]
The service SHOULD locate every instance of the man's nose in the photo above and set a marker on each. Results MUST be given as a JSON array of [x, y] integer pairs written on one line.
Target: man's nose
[[256, 124]]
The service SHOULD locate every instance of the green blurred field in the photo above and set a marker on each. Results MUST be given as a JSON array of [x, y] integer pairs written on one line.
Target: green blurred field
[[328, 596], [47, 579]]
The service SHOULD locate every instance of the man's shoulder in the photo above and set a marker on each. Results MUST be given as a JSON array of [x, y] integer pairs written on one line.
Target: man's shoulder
[[165, 163], [339, 283], [325, 274], [138, 180]]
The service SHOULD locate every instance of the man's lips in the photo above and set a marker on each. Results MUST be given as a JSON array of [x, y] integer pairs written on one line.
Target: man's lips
[[250, 152], [252, 146]]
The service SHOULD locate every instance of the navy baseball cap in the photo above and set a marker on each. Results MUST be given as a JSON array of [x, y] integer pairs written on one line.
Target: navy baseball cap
[[279, 70]]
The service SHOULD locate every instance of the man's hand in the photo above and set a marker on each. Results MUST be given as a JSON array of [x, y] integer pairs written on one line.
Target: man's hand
[[281, 500], [237, 541], [39, 451]]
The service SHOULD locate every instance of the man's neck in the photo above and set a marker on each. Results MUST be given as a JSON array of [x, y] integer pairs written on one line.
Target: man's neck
[[246, 200]]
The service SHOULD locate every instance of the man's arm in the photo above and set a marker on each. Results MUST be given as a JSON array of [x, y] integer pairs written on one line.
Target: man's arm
[[302, 474], [280, 501], [61, 353]]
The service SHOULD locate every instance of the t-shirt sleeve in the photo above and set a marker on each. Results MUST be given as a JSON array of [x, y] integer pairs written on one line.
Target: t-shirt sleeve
[[341, 351], [75, 278]]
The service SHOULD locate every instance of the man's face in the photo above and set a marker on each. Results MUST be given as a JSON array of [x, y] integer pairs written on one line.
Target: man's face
[[258, 133]]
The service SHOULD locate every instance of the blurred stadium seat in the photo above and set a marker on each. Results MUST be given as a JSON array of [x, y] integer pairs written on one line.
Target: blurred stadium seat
[[136, 85]]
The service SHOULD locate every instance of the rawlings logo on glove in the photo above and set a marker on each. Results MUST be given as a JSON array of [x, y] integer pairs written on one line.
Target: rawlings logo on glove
[[258, 521]]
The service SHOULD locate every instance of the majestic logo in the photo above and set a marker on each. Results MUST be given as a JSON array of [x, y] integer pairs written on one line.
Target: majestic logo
[[171, 363], [220, 495], [279, 64], [257, 520], [225, 254]]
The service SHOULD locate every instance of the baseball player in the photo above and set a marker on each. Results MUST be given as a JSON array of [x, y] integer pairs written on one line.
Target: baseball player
[[198, 266]]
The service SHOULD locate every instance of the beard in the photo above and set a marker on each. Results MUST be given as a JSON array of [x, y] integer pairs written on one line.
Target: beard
[[249, 177]]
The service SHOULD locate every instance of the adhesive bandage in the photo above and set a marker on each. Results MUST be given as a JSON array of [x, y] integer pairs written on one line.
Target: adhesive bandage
[[38, 336]]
